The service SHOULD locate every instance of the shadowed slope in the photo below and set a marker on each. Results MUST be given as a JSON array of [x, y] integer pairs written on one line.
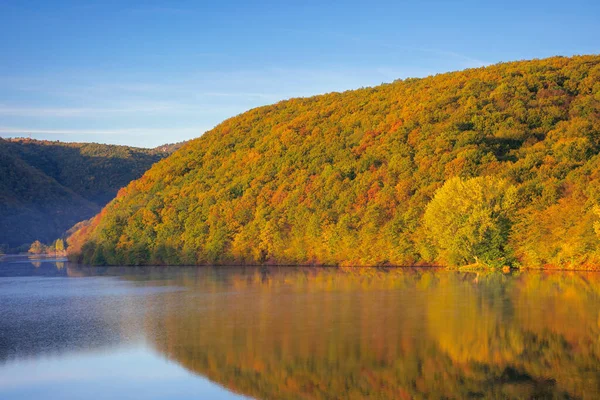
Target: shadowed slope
[[47, 187]]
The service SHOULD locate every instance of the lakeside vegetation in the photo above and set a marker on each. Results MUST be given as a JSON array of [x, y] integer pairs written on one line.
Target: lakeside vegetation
[[56, 248], [491, 166]]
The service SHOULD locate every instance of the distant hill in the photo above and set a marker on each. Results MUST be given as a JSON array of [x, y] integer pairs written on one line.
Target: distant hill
[[490, 166], [169, 147], [47, 187]]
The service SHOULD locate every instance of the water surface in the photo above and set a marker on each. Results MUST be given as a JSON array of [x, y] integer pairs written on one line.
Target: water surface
[[68, 331]]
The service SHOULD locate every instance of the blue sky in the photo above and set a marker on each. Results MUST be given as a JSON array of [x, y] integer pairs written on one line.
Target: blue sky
[[145, 73]]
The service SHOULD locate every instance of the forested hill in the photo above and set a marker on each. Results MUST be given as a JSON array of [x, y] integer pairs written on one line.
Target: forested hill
[[47, 187], [491, 166]]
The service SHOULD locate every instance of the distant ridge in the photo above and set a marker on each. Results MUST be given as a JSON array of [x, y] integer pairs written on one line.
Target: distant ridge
[[169, 147], [48, 186]]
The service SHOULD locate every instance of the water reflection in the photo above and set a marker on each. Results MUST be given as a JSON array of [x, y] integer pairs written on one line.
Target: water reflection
[[388, 334], [43, 313], [328, 333]]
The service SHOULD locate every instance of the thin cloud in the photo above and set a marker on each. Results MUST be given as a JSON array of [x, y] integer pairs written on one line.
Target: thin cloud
[[200, 91], [109, 132], [142, 109], [77, 112]]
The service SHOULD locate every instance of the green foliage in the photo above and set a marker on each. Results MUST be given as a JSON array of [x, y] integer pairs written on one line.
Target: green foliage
[[469, 221], [597, 223], [94, 171], [345, 178], [47, 187]]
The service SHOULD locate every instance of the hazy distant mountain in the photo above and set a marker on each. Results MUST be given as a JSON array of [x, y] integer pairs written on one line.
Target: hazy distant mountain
[[46, 187]]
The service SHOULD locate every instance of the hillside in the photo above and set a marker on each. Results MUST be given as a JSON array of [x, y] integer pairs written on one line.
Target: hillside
[[47, 187], [169, 148], [494, 166]]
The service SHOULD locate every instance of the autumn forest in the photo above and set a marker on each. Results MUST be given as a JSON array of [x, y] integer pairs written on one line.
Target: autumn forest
[[496, 166]]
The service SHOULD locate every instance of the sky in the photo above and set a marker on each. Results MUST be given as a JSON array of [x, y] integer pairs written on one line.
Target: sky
[[145, 73]]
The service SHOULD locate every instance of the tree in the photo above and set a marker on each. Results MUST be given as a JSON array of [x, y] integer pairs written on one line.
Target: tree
[[597, 223], [37, 247], [59, 246], [468, 221]]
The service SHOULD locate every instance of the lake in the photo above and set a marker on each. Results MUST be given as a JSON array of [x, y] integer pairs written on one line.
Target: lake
[[72, 332]]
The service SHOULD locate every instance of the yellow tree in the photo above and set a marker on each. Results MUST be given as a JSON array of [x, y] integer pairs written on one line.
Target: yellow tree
[[59, 246], [37, 247], [468, 221]]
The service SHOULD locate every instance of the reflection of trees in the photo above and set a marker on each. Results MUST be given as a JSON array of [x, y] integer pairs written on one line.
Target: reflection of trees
[[297, 335], [539, 329], [469, 321], [356, 333], [54, 318], [312, 333]]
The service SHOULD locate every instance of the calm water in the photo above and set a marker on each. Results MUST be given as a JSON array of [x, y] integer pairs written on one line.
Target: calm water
[[219, 333]]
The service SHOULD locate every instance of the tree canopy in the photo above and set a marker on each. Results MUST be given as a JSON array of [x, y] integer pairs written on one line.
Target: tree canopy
[[47, 187], [346, 178], [469, 221], [37, 248]]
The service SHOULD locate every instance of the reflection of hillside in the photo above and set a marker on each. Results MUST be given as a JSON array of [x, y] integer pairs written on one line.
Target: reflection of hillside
[[327, 333], [48, 317], [13, 266], [27, 340], [310, 333], [544, 325]]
